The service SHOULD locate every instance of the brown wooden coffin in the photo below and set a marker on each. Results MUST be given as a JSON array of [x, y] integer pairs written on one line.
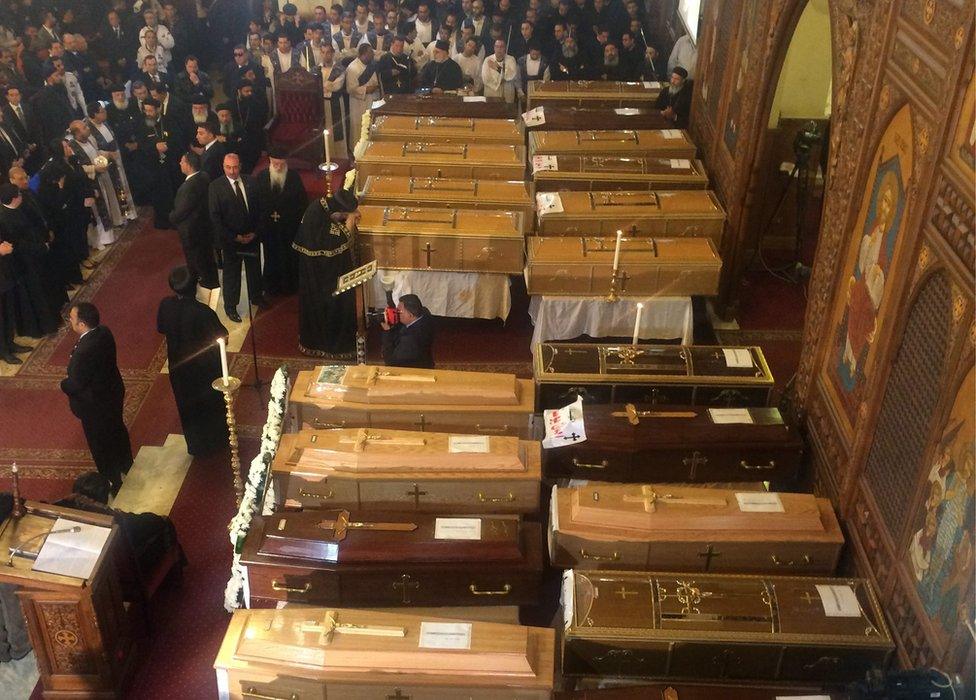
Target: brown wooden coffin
[[375, 384], [453, 489], [429, 192], [561, 266], [394, 583], [474, 161], [280, 654], [656, 143], [308, 410], [663, 214], [447, 130], [617, 173], [722, 627], [560, 117], [444, 106], [686, 691], [455, 240], [692, 375], [592, 93], [607, 526], [679, 443]]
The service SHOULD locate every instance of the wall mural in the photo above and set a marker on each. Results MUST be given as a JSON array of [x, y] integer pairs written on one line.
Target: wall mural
[[963, 150], [870, 264], [748, 24], [940, 553]]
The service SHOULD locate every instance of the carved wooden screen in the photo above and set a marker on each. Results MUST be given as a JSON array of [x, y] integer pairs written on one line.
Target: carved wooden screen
[[911, 395]]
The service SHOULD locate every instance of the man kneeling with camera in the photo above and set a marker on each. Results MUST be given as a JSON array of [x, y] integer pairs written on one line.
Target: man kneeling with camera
[[408, 342]]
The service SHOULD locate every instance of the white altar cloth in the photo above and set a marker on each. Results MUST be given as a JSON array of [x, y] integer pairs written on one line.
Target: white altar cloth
[[451, 294], [564, 318]]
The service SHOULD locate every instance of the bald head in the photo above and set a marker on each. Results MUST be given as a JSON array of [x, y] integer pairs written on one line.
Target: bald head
[[18, 176], [232, 166]]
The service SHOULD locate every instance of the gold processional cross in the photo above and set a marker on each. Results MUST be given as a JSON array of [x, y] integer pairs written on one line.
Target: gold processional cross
[[341, 525]]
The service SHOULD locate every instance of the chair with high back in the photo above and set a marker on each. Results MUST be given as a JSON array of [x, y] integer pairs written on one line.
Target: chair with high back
[[298, 117]]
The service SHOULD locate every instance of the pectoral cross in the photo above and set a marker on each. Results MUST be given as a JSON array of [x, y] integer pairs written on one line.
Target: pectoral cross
[[341, 525], [633, 416], [650, 498], [275, 216], [331, 626], [363, 437]]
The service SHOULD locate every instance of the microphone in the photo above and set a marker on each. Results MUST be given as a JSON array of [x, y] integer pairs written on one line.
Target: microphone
[[19, 549]]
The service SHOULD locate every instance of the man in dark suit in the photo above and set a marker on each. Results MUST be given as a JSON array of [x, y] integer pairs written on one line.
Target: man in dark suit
[[19, 118], [213, 151], [233, 215], [408, 343], [52, 107], [191, 216], [96, 392], [116, 45]]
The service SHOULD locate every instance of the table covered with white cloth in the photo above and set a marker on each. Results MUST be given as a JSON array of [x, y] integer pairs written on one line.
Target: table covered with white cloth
[[564, 318], [451, 294]]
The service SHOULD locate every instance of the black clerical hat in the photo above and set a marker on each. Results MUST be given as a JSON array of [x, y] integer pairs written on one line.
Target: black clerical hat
[[442, 45], [244, 83], [116, 87], [278, 153], [343, 200], [678, 70], [199, 100], [224, 105], [290, 9]]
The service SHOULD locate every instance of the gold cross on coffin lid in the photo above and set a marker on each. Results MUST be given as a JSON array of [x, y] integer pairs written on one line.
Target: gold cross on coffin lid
[[341, 525], [363, 437], [377, 374], [330, 626], [633, 416], [649, 497]]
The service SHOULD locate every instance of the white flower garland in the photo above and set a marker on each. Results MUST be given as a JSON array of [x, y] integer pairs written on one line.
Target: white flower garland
[[255, 485]]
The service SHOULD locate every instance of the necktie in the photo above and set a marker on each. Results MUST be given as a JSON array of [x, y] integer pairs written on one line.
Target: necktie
[[20, 115], [240, 194]]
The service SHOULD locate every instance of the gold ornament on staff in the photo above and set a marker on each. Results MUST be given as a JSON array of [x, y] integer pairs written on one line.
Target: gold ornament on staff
[[328, 167], [228, 386], [18, 510]]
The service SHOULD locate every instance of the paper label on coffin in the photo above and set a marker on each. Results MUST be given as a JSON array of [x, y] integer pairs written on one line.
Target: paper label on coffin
[[392, 385], [658, 508], [681, 163], [544, 163], [671, 133], [839, 601], [730, 415], [377, 104], [564, 426], [627, 111], [549, 203], [534, 117], [737, 357], [445, 635], [457, 529], [759, 502], [478, 444]]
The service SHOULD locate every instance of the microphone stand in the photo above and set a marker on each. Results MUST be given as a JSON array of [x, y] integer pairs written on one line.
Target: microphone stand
[[19, 549]]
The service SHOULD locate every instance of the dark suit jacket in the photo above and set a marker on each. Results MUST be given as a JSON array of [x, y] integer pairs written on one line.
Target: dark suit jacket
[[28, 132], [212, 160], [191, 213], [227, 215], [405, 346], [53, 111], [94, 384]]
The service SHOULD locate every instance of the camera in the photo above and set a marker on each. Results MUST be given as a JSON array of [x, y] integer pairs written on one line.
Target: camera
[[390, 316], [806, 138]]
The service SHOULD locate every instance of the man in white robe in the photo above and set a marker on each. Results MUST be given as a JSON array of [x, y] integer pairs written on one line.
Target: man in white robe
[[333, 86], [105, 209], [500, 74], [104, 138], [361, 96], [470, 63]]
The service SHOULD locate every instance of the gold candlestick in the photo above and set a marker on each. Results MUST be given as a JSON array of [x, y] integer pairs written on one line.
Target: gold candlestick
[[327, 169], [612, 294], [18, 510], [228, 389]]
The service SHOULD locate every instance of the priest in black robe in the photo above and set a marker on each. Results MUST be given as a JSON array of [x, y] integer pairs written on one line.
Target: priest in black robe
[[442, 73], [326, 323], [191, 329], [281, 202], [67, 196]]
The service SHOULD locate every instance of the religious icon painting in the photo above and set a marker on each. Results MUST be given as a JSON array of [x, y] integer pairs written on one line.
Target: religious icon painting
[[870, 266], [962, 153]]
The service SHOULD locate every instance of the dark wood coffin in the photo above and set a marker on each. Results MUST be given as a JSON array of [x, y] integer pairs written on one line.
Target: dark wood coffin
[[393, 583], [445, 106], [568, 118], [685, 691], [693, 375], [679, 443], [597, 93], [712, 627], [370, 537]]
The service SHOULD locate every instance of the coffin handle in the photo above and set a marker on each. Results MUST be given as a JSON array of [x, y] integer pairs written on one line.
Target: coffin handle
[[509, 498], [323, 496], [252, 692], [613, 556], [805, 559], [275, 586], [504, 590], [488, 429], [602, 465], [319, 425], [771, 465]]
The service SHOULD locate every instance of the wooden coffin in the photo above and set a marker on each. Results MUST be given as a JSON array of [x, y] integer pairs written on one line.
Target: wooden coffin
[[684, 528], [309, 408], [562, 117], [691, 375], [409, 385], [633, 443], [503, 195], [475, 161], [445, 105], [666, 214], [394, 583], [455, 240], [686, 691], [722, 627], [656, 143], [592, 93], [560, 266], [434, 129], [288, 654], [443, 483], [617, 173]]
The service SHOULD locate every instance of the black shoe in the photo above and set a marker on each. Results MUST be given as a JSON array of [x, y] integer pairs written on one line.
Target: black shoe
[[233, 315], [17, 347], [11, 359]]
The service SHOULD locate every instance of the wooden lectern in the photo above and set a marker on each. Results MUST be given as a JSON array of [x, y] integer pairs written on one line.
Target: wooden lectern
[[83, 634]]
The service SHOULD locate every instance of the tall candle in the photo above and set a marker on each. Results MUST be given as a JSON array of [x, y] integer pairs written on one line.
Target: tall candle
[[223, 360], [637, 320], [616, 251], [325, 137]]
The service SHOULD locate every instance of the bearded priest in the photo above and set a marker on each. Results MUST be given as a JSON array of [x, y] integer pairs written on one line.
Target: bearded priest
[[281, 202]]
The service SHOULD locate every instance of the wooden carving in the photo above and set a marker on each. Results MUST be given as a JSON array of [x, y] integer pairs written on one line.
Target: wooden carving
[[68, 648]]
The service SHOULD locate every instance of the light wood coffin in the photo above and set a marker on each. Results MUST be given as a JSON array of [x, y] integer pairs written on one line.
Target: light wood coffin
[[475, 161], [592, 93], [722, 627], [447, 130], [618, 173], [455, 240], [430, 192], [319, 469], [319, 653], [687, 528], [667, 214], [558, 266], [499, 405], [656, 143]]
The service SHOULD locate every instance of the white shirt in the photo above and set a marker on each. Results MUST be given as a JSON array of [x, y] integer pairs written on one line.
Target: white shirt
[[683, 54], [471, 68], [425, 31], [532, 66], [284, 60]]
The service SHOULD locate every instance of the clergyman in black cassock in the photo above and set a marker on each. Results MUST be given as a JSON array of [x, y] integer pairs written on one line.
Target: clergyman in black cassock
[[191, 216], [96, 393], [191, 330], [281, 203], [326, 323]]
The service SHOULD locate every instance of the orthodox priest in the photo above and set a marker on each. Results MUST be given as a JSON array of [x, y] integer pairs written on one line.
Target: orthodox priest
[[108, 144], [326, 323], [191, 329], [95, 164], [281, 203]]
